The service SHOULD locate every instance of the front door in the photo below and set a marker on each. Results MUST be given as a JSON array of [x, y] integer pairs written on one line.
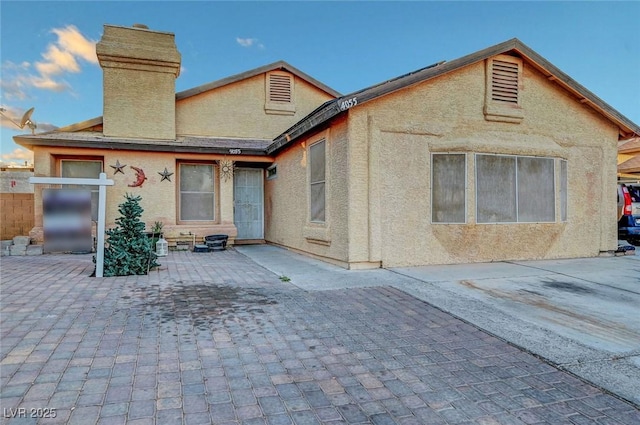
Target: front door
[[248, 204]]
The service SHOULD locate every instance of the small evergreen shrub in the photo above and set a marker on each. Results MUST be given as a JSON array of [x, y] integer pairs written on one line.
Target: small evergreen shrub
[[128, 250]]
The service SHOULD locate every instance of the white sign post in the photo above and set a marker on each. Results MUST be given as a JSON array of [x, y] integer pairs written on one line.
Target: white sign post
[[102, 182]]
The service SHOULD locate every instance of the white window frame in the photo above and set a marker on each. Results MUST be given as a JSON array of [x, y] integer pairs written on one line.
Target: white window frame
[[180, 191], [465, 188], [555, 189]]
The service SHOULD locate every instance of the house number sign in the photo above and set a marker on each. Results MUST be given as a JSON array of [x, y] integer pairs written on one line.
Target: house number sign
[[348, 103], [235, 151]]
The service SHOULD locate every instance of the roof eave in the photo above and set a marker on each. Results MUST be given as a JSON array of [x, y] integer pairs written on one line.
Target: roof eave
[[319, 116], [252, 73], [627, 127], [30, 141]]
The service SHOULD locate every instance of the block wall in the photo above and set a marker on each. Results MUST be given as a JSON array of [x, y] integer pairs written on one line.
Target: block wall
[[16, 214]]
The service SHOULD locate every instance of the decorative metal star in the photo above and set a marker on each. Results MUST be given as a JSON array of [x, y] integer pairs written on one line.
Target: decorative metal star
[[165, 175], [118, 167]]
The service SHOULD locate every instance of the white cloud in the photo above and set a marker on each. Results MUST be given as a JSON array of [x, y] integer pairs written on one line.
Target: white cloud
[[17, 157], [249, 42], [71, 40], [61, 57]]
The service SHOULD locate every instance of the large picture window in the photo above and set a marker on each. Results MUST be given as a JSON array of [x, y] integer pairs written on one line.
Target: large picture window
[[197, 192], [512, 189], [87, 169], [317, 170], [448, 177]]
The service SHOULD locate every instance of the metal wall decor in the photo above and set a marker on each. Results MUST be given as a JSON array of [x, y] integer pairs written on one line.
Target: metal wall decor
[[140, 177], [226, 169], [118, 167], [166, 175]]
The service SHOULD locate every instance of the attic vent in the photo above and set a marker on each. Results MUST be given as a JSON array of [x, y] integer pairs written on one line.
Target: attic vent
[[279, 88], [279, 93], [503, 96], [504, 82]]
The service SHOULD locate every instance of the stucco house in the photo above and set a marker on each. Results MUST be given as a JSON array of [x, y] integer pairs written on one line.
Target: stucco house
[[497, 155]]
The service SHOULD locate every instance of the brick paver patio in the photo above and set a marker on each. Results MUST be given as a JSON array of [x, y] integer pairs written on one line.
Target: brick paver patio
[[215, 339]]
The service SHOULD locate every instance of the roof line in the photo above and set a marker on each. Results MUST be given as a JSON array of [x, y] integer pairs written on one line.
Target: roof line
[[81, 125], [98, 141], [252, 73], [334, 107]]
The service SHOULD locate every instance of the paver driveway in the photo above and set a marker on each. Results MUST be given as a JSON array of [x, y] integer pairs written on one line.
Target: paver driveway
[[215, 338]]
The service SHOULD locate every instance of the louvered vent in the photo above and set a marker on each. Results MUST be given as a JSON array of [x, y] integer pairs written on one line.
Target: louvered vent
[[279, 88], [504, 82]]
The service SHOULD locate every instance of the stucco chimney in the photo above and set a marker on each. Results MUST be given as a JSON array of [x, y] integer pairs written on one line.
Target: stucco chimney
[[139, 67]]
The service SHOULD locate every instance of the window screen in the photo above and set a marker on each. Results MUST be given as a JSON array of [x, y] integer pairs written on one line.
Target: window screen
[[83, 169], [563, 190], [196, 192], [536, 200], [513, 189], [317, 181], [496, 189], [448, 176]]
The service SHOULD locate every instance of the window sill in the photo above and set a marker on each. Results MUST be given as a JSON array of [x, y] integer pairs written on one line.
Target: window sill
[[319, 234], [503, 113]]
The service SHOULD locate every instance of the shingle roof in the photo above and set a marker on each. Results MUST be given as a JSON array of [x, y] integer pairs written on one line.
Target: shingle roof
[[333, 107], [191, 144]]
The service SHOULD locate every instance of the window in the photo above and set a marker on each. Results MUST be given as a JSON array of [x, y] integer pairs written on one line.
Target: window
[[563, 190], [496, 189], [512, 189], [448, 194], [197, 192], [503, 89], [81, 168], [536, 195], [272, 172], [279, 93], [317, 181]]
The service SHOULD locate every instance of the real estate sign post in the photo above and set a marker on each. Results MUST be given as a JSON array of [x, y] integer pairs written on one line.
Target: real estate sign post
[[102, 182]]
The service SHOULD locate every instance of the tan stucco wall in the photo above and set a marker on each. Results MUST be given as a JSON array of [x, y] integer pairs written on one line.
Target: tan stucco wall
[[381, 178], [159, 198], [136, 105], [287, 203], [139, 71], [391, 140], [237, 110]]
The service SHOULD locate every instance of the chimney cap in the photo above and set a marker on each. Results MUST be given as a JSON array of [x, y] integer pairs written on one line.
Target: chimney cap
[[143, 26]]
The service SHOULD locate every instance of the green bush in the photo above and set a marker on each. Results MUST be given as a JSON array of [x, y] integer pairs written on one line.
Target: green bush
[[128, 250]]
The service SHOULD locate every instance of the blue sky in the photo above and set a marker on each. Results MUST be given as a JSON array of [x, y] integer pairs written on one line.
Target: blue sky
[[48, 59]]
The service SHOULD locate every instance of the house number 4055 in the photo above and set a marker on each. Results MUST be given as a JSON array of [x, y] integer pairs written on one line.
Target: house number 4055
[[348, 103]]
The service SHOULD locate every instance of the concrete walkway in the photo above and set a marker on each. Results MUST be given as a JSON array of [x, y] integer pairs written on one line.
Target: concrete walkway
[[214, 338]]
